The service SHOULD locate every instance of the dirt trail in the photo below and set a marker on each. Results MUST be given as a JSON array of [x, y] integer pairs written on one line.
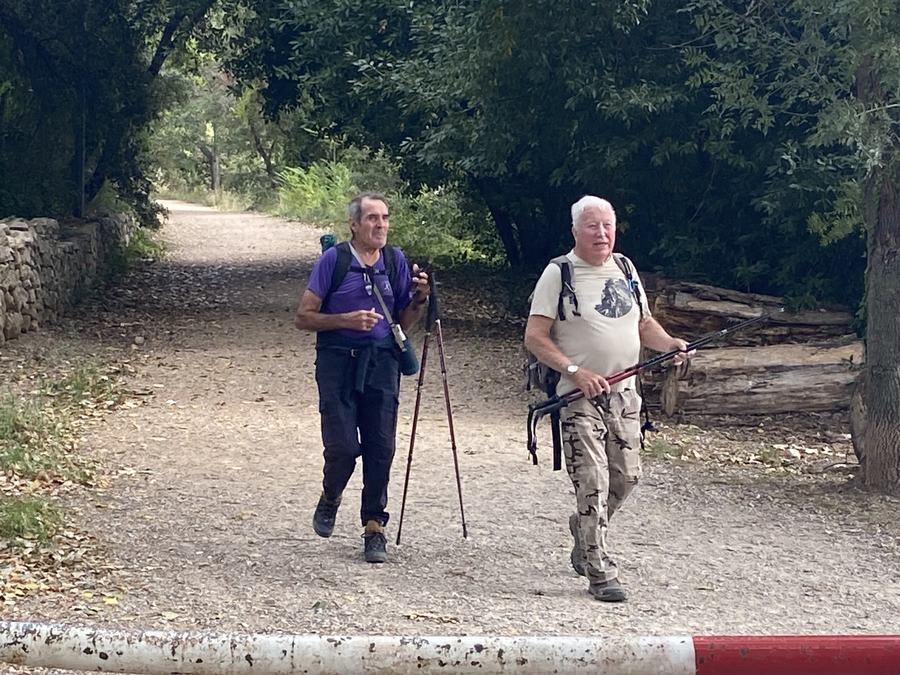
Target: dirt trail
[[207, 521]]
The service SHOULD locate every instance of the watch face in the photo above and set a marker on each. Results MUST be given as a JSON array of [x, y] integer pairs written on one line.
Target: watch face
[[572, 369]]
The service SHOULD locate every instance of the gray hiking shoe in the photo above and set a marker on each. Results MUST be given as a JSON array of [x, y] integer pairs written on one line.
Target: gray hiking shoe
[[323, 518], [376, 547], [609, 591], [375, 542], [577, 555]]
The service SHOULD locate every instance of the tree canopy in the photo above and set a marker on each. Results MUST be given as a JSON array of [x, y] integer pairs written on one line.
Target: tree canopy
[[828, 73], [79, 84], [529, 105]]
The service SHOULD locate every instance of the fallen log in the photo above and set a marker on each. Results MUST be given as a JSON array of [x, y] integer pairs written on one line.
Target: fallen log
[[690, 310], [764, 380]]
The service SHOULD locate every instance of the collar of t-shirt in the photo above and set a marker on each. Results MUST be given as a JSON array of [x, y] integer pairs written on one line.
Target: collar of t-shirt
[[576, 259]]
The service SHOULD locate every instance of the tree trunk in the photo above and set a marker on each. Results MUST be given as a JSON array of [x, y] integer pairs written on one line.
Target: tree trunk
[[882, 435], [858, 419], [763, 380], [264, 154], [212, 161], [215, 170], [506, 228]]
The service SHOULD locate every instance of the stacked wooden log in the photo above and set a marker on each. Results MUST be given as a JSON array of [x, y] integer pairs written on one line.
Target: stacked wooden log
[[796, 362]]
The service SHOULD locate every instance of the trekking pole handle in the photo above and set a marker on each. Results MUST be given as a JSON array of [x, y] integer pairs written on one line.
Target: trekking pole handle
[[433, 313]]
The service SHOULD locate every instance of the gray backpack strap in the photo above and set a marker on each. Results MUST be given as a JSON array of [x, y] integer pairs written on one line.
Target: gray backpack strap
[[627, 268], [567, 289]]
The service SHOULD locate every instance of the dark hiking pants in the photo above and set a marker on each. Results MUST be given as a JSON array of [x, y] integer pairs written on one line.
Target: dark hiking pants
[[358, 396]]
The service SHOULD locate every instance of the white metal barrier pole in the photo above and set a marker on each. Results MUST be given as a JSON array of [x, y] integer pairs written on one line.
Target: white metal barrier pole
[[160, 652]]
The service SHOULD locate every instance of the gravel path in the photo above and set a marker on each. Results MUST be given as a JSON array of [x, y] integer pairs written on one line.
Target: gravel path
[[206, 519]]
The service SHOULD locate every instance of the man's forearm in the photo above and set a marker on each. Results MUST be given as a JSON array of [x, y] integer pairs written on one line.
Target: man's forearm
[[318, 321], [546, 351], [655, 336]]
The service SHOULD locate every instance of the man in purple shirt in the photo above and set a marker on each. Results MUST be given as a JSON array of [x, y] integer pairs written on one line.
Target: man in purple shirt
[[357, 369]]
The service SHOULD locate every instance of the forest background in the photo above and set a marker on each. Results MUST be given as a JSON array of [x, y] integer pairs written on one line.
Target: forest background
[[752, 145]]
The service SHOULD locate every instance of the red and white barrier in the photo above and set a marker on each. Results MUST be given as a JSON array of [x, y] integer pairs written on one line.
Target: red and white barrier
[[152, 652], [797, 655]]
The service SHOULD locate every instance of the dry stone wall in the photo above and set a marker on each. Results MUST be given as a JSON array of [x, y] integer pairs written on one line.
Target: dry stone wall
[[45, 266]]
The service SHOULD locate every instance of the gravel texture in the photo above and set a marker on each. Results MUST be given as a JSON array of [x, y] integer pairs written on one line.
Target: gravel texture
[[205, 520]]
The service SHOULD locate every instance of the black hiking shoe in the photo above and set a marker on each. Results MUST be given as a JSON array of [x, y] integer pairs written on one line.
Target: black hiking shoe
[[577, 555], [609, 591], [375, 545], [323, 518]]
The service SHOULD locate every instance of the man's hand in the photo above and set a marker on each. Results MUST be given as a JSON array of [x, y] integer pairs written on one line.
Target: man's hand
[[362, 319], [590, 383], [684, 356], [420, 286]]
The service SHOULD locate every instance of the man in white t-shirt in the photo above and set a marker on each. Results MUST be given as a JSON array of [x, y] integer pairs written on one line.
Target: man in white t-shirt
[[601, 335]]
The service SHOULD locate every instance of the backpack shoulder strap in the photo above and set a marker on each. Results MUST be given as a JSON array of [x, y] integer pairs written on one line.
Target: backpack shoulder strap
[[567, 289], [627, 268], [341, 267], [390, 266]]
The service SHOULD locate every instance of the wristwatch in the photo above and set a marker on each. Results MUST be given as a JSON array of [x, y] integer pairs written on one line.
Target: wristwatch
[[571, 369]]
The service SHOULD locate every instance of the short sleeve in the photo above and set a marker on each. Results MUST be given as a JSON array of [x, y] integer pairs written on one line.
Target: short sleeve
[[320, 277], [545, 299]]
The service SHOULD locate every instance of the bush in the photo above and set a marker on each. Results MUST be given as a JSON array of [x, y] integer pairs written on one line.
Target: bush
[[432, 225], [143, 246], [371, 171], [429, 224], [29, 519], [317, 195]]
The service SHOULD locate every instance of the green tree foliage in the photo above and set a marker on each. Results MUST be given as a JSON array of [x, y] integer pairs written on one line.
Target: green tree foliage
[[318, 194], [80, 85], [429, 224], [529, 105], [212, 140], [830, 73]]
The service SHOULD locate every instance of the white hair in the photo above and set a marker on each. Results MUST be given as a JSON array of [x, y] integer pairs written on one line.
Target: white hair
[[587, 202]]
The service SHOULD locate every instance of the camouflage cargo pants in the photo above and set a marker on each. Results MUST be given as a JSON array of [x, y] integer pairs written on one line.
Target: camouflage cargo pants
[[601, 442]]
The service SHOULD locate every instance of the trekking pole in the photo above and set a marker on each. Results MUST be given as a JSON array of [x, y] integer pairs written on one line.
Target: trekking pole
[[440, 344], [429, 321], [660, 359], [537, 410]]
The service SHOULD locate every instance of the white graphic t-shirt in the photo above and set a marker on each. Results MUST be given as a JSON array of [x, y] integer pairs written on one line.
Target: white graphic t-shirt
[[605, 338]]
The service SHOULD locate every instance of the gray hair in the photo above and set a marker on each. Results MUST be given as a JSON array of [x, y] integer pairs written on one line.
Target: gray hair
[[354, 208], [587, 202]]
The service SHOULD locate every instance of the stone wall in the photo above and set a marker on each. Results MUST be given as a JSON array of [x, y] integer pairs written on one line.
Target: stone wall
[[46, 267]]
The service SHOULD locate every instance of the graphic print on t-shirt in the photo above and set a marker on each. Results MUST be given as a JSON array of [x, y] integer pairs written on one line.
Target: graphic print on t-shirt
[[616, 300]]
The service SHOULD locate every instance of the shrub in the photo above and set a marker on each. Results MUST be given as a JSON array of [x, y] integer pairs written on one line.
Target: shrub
[[317, 195]]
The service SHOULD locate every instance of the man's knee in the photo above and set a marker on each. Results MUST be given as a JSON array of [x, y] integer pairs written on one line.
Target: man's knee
[[621, 485]]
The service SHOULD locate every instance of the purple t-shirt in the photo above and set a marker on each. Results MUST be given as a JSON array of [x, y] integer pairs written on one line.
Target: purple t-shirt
[[351, 295]]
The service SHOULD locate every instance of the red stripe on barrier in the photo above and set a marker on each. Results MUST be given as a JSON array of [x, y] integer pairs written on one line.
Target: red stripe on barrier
[[798, 655]]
